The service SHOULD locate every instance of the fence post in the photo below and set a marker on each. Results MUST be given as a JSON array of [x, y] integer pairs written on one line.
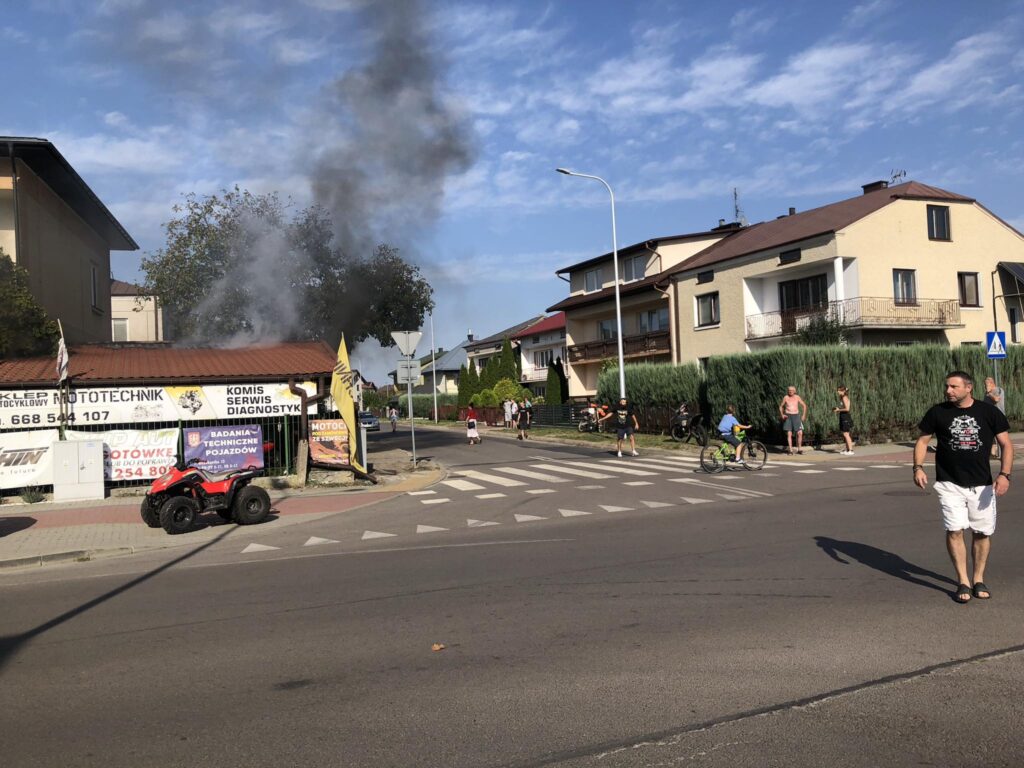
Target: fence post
[[287, 447]]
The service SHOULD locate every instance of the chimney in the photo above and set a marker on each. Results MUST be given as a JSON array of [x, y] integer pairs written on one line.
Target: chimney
[[469, 335], [792, 211], [874, 186], [721, 222]]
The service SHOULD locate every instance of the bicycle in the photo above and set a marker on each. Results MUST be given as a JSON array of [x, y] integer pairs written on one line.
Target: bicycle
[[753, 455], [686, 425]]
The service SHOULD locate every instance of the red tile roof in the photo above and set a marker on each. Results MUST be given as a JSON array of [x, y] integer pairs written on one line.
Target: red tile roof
[[162, 363], [121, 288], [554, 322], [817, 221]]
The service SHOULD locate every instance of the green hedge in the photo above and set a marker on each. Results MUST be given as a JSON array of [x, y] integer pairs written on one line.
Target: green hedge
[[423, 405], [890, 387]]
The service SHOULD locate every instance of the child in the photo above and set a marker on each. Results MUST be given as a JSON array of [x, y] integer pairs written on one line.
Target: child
[[728, 427], [471, 433]]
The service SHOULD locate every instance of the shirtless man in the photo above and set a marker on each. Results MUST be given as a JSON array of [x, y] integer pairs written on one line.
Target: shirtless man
[[792, 419]]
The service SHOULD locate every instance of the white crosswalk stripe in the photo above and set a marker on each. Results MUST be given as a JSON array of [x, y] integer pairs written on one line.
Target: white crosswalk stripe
[[809, 471], [434, 501], [589, 487], [729, 488], [421, 493], [572, 471], [539, 491], [639, 482], [675, 461], [648, 465], [483, 477], [462, 485], [884, 466], [607, 465], [849, 469], [532, 475], [490, 495]]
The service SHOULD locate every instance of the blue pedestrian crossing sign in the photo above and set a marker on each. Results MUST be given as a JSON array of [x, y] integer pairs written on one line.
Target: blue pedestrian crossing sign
[[995, 342]]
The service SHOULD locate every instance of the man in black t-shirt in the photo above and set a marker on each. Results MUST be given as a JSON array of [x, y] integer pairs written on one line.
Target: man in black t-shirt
[[625, 425], [965, 429]]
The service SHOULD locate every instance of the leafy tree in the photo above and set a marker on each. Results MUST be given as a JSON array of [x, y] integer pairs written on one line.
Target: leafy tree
[[25, 330], [464, 392], [489, 375], [469, 384], [507, 362], [821, 331], [506, 389], [485, 398], [240, 265]]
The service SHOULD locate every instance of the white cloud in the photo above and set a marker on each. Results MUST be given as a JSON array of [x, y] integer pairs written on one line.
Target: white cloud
[[233, 20], [966, 73], [14, 35], [115, 120], [811, 79], [101, 153], [168, 28], [867, 12], [751, 22], [295, 51]]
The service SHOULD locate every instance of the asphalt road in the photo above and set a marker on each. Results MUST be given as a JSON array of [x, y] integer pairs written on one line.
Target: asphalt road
[[650, 616]]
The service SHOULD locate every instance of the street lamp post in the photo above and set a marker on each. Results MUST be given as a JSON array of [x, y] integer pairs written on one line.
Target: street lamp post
[[615, 266]]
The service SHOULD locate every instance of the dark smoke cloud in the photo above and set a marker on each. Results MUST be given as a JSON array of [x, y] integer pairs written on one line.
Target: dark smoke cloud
[[382, 176]]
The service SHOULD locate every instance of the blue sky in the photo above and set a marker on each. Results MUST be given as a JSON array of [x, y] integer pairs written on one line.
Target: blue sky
[[674, 103]]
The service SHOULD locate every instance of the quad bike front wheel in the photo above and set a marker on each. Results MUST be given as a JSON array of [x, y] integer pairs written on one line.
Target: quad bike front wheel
[[251, 505], [178, 514], [150, 512]]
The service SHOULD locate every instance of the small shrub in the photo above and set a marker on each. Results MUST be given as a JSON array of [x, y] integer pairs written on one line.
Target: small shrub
[[31, 495]]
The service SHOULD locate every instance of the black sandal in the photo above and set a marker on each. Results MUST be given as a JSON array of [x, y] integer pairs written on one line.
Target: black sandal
[[963, 594], [979, 586]]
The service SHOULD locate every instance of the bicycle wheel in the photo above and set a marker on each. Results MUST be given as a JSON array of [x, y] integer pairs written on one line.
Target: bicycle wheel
[[711, 459], [753, 454], [700, 434], [678, 433]]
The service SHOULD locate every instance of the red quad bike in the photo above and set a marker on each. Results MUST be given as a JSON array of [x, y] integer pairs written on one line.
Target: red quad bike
[[174, 501]]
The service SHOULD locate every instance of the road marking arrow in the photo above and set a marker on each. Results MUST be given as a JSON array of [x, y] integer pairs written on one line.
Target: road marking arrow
[[528, 518], [376, 535], [429, 529], [314, 540], [258, 548]]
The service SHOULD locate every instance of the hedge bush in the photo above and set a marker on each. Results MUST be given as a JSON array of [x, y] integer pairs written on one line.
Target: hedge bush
[[890, 387], [423, 405]]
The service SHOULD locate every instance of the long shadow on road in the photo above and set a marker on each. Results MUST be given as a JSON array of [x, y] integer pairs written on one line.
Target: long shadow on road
[[11, 644], [881, 560]]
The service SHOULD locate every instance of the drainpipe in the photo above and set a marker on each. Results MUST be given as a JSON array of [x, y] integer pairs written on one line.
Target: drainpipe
[[17, 256]]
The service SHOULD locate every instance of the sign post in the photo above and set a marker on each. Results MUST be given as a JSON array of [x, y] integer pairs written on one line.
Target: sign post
[[407, 341], [995, 343]]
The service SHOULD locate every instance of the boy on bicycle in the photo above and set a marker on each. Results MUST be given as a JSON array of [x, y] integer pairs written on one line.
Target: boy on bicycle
[[728, 427]]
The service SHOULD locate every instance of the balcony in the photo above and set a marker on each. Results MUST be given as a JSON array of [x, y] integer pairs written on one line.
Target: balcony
[[643, 345], [861, 312]]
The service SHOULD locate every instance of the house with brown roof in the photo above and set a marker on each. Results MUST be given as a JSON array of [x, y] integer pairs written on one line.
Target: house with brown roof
[[54, 225], [134, 315], [648, 315], [539, 345], [480, 351], [894, 265]]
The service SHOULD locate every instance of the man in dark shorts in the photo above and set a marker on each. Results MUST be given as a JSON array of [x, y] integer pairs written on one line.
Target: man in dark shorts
[[965, 428], [524, 416], [625, 425]]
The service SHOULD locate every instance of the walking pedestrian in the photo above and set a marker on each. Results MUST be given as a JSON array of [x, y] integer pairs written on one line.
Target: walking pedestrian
[[514, 408], [995, 396], [506, 406], [965, 428], [845, 419], [625, 426], [393, 418], [524, 417], [793, 420], [471, 431]]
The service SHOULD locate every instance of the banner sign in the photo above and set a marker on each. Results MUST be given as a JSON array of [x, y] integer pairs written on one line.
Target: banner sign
[[134, 454], [32, 408], [26, 458], [328, 442], [221, 449]]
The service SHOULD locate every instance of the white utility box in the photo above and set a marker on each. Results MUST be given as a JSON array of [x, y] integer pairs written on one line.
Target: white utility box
[[78, 470]]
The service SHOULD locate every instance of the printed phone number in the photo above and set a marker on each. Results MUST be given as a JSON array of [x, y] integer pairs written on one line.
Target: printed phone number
[[50, 419], [129, 473]]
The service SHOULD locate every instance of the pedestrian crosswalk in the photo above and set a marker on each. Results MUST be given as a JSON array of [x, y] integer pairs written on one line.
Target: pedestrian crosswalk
[[544, 475]]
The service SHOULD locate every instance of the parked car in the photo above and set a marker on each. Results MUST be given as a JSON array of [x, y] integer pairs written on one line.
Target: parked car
[[368, 420]]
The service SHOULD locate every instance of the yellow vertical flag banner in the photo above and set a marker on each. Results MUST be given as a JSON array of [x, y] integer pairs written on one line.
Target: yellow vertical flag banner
[[341, 392]]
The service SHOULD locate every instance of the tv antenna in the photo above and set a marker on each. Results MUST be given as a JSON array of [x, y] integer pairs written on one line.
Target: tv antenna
[[737, 212], [897, 176]]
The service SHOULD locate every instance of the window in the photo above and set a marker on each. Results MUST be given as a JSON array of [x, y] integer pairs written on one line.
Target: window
[[94, 286], [561, 334], [938, 222], [535, 339], [968, 284], [606, 329], [634, 268], [707, 309], [904, 289], [542, 358], [1014, 316], [789, 257], [805, 293], [592, 280], [705, 277], [653, 320], [120, 328]]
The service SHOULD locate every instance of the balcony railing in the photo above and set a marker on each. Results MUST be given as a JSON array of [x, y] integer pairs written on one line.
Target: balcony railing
[[860, 312], [642, 345]]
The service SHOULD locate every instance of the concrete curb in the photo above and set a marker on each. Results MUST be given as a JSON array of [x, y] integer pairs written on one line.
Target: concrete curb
[[76, 555]]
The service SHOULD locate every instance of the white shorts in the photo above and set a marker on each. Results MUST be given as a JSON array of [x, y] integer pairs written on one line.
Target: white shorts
[[963, 508]]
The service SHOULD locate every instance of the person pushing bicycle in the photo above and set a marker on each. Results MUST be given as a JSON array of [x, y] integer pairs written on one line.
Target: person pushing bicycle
[[728, 427]]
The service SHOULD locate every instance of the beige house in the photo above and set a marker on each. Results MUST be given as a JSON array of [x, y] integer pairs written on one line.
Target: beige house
[[53, 225], [539, 346], [134, 316], [647, 313], [894, 265]]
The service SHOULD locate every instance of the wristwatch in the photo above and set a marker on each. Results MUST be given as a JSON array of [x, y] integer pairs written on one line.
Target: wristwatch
[[1005, 474]]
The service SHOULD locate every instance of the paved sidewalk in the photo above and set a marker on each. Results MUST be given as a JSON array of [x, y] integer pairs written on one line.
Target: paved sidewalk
[[37, 534]]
